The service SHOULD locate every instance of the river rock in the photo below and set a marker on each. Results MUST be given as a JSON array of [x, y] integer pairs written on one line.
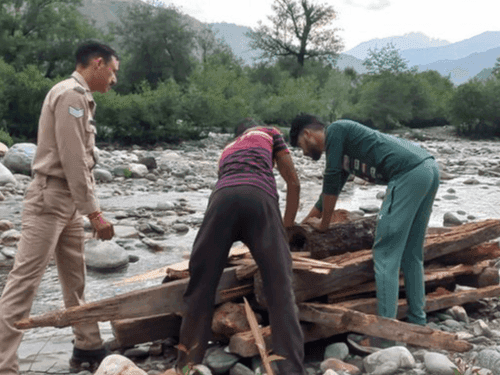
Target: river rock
[[2, 197], [338, 350], [138, 170], [218, 360], [240, 369], [439, 364], [3, 149], [149, 162], [471, 181], [105, 255], [126, 231], [138, 353], [388, 361], [9, 252], [19, 157], [102, 175], [116, 364], [490, 359], [370, 209], [450, 220], [458, 313], [180, 228], [339, 366], [6, 176], [5, 225], [10, 237], [165, 206]]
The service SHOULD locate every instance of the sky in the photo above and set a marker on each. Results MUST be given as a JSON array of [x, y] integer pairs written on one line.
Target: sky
[[363, 20]]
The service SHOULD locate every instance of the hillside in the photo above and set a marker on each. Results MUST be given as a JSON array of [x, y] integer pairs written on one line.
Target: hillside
[[402, 43], [480, 43], [462, 60], [461, 70]]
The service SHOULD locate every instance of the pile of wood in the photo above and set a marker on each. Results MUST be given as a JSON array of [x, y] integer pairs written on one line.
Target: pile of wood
[[333, 283]]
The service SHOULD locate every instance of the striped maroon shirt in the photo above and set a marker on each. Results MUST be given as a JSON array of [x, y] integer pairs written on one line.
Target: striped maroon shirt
[[248, 160]]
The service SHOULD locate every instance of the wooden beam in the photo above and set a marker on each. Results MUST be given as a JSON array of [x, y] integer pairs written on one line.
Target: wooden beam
[[357, 268], [161, 299], [346, 320]]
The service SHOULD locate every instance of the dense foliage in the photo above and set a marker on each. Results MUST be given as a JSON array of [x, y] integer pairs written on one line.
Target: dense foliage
[[176, 84]]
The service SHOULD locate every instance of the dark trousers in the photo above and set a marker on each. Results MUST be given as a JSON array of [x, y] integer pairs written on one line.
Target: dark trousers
[[248, 214]]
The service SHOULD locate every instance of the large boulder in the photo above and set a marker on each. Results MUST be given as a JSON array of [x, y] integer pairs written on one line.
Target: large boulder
[[6, 176], [19, 157], [105, 255]]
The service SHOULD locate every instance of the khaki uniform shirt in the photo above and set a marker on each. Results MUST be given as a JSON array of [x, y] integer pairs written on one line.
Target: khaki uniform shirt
[[66, 140]]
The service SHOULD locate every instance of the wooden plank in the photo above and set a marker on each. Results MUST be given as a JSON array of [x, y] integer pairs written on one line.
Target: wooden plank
[[161, 299], [129, 332], [478, 275], [347, 320], [357, 268], [176, 268], [439, 300]]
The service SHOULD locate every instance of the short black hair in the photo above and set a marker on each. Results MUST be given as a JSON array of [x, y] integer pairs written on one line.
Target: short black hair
[[245, 124], [301, 122], [92, 49]]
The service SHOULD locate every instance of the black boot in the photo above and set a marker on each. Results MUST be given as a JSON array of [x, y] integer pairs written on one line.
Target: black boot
[[86, 359]]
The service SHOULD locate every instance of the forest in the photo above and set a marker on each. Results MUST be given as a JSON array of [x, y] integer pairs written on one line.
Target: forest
[[176, 83]]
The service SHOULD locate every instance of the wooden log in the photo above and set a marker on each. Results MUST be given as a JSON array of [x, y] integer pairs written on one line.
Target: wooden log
[[341, 237], [357, 268], [487, 250], [479, 275], [438, 300], [230, 318], [161, 299], [346, 320], [129, 332]]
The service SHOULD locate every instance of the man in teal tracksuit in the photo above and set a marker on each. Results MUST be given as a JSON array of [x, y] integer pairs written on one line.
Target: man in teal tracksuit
[[412, 178]]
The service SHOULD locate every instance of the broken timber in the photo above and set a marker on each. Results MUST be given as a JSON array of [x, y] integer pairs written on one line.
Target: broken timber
[[357, 268], [243, 344], [161, 299]]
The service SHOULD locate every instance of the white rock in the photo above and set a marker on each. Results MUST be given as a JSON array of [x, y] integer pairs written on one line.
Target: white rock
[[19, 157], [3, 149], [399, 355], [439, 364], [138, 170], [116, 364], [105, 255], [6, 176]]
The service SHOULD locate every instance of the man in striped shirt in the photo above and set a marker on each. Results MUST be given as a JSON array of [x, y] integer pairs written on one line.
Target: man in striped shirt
[[244, 207]]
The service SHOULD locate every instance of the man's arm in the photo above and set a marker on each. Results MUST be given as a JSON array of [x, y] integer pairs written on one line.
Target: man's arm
[[329, 202], [286, 169]]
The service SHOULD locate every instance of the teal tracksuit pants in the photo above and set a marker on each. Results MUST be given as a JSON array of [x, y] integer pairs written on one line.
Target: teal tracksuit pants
[[399, 240]]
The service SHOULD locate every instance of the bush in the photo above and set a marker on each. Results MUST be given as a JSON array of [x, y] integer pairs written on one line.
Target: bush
[[150, 116], [5, 138]]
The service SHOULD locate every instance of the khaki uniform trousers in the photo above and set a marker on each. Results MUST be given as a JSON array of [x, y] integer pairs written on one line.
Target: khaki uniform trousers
[[51, 226]]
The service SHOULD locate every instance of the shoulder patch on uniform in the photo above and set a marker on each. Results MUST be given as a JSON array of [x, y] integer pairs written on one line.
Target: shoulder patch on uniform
[[76, 112], [79, 89]]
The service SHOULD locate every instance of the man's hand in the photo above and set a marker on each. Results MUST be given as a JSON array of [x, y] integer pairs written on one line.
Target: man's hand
[[316, 224], [102, 227]]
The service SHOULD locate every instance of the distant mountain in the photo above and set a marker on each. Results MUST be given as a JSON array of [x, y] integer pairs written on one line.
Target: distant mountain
[[235, 37], [461, 70], [462, 60], [480, 43], [102, 12], [402, 43], [484, 74], [348, 61]]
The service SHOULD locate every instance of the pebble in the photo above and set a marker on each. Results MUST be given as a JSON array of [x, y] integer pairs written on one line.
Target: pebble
[[450, 220], [338, 350], [388, 361]]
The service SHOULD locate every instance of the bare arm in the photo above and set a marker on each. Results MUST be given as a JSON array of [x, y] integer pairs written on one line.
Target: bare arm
[[314, 213], [287, 171], [329, 202]]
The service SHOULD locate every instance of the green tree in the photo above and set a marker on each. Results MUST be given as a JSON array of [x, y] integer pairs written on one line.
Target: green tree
[[496, 68], [44, 33], [299, 28], [158, 44], [387, 59]]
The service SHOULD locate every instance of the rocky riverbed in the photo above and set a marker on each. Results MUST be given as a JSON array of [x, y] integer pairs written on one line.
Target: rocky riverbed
[[156, 199]]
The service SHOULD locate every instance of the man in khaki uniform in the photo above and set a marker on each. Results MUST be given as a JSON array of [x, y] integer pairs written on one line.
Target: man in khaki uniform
[[62, 191]]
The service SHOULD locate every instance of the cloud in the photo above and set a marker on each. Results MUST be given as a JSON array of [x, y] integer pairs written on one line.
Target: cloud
[[369, 4]]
